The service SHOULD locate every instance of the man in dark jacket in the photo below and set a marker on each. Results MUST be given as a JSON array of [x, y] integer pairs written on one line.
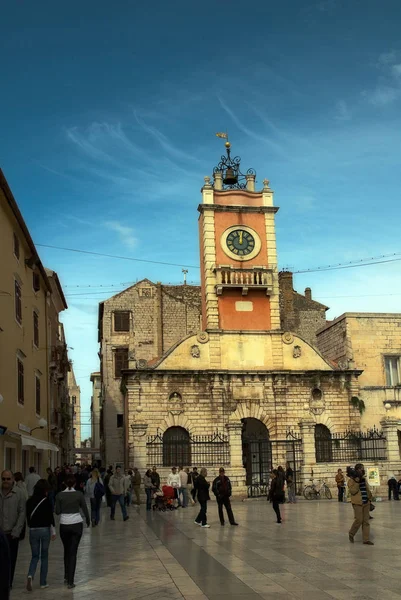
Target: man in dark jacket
[[202, 489], [222, 490]]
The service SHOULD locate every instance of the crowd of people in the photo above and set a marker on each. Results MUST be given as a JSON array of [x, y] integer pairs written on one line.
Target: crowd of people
[[34, 501]]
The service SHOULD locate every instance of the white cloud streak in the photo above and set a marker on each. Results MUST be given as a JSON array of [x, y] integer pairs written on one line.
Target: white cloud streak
[[125, 233]]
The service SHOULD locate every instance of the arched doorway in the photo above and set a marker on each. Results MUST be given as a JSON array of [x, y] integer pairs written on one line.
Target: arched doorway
[[256, 451], [176, 447], [323, 447]]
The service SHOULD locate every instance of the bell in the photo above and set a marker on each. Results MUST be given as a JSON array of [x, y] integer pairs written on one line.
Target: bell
[[231, 177]]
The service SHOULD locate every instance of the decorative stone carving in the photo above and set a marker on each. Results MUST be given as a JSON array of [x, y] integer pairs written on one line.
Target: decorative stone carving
[[146, 292], [317, 403], [195, 352], [202, 337], [139, 429], [287, 337], [176, 411], [343, 364], [175, 397], [297, 351], [141, 363]]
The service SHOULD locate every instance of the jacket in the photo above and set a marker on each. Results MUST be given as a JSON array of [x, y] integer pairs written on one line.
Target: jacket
[[42, 516], [220, 490], [276, 491], [136, 479], [69, 503], [356, 496], [340, 480], [147, 481], [202, 487], [12, 512], [118, 485]]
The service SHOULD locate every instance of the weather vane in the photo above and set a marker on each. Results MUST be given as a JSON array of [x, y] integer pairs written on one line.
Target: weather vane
[[230, 168]]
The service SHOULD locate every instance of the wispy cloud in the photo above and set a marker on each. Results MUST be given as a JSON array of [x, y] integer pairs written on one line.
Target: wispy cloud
[[126, 234], [343, 113], [388, 87]]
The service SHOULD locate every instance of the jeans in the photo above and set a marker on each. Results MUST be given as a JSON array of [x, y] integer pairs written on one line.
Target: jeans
[[202, 518], [184, 493], [340, 493], [95, 510], [148, 492], [13, 545], [39, 538], [225, 501], [291, 492], [121, 500], [128, 498], [70, 536]]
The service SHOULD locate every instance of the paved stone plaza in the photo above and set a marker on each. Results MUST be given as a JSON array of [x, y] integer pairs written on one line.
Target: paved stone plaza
[[156, 556]]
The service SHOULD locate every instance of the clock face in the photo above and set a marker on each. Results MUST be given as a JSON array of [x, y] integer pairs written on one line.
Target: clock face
[[240, 242]]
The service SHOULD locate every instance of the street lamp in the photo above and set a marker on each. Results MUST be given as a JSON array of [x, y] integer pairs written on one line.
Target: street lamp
[[42, 423]]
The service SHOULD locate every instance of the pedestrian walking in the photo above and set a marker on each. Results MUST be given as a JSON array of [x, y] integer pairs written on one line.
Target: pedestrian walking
[[20, 484], [392, 487], [361, 496], [155, 478], [202, 490], [39, 514], [5, 567], [12, 516], [52, 481], [194, 476], [136, 485], [289, 479], [221, 488], [148, 483], [340, 481], [183, 489], [70, 504], [107, 488], [95, 491], [276, 492], [31, 480], [118, 488]]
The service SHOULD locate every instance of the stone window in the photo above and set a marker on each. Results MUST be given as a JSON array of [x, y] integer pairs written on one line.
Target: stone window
[[120, 421], [35, 281], [18, 301], [121, 320], [176, 447], [36, 329], [16, 246], [392, 368], [323, 447], [37, 394], [120, 361], [20, 374]]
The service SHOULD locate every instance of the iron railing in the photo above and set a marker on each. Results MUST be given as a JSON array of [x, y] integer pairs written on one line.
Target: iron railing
[[184, 450], [350, 447]]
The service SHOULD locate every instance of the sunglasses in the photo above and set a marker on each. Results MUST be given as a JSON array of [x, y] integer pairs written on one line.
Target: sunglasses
[[6, 478]]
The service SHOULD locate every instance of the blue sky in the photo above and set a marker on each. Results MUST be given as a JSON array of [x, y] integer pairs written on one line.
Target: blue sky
[[108, 116]]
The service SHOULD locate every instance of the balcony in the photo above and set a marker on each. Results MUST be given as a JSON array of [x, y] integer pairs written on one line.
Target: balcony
[[259, 278]]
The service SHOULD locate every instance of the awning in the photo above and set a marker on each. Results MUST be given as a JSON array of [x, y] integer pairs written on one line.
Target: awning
[[28, 440]]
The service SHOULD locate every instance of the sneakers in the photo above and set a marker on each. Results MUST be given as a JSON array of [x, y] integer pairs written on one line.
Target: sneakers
[[43, 587], [208, 527], [29, 583], [196, 523]]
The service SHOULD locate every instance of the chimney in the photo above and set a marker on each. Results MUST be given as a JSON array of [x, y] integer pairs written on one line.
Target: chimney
[[308, 293]]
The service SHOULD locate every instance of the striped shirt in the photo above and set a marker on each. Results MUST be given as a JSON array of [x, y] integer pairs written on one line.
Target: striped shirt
[[364, 492]]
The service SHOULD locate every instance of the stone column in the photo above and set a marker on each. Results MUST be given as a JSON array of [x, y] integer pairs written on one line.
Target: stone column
[[390, 430], [236, 471], [307, 427]]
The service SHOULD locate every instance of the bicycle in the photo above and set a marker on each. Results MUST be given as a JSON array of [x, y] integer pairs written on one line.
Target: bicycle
[[311, 492]]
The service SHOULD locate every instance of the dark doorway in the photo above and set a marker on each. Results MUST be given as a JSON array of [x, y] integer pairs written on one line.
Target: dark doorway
[[256, 452]]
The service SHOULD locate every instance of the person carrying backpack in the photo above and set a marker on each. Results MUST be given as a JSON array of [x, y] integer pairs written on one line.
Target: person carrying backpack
[[95, 491]]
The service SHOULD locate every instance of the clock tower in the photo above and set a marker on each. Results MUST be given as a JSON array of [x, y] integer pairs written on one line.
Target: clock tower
[[240, 289]]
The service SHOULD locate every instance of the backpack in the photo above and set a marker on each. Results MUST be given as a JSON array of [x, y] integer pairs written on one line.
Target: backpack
[[99, 490]]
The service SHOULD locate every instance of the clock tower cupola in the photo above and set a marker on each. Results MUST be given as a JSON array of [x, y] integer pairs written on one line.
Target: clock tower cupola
[[240, 289]]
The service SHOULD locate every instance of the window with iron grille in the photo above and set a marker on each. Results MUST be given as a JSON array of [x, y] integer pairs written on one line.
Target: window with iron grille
[[16, 246], [176, 447], [323, 444], [35, 281], [120, 361], [37, 394], [18, 302], [36, 329], [20, 375], [392, 368], [121, 320]]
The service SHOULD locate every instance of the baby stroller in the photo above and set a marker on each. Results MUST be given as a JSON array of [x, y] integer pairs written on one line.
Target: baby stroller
[[164, 500]]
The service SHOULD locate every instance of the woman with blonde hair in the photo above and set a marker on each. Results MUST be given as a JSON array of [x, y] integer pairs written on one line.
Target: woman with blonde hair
[[95, 491]]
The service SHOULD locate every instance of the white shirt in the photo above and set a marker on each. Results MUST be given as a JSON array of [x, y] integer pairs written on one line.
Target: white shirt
[[30, 481], [71, 518], [183, 479], [174, 480]]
